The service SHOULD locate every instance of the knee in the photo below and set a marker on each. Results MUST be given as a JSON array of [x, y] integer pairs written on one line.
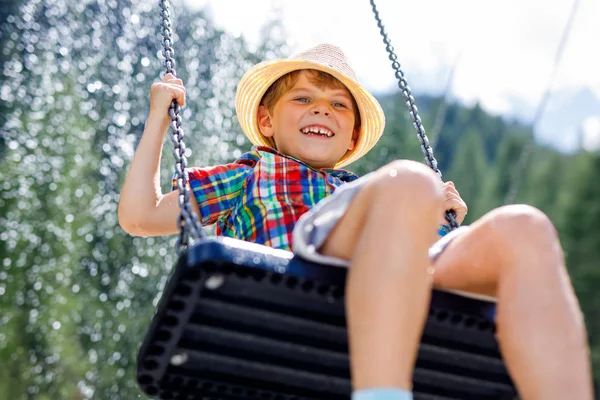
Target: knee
[[520, 229], [408, 185], [524, 220]]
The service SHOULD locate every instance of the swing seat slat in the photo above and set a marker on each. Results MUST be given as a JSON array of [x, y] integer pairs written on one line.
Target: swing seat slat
[[243, 321]]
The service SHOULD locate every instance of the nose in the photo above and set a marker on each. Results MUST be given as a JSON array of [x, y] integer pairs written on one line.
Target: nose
[[321, 107]]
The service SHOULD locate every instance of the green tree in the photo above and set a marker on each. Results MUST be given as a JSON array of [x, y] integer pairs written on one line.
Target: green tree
[[77, 293], [578, 224], [399, 140], [543, 180], [469, 170], [497, 184]]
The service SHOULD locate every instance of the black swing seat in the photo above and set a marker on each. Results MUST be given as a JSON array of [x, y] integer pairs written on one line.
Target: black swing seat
[[240, 321]]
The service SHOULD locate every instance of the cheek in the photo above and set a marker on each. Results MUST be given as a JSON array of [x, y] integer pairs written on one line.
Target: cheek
[[349, 122], [287, 116]]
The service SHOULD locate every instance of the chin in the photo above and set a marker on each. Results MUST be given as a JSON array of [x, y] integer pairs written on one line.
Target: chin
[[312, 158]]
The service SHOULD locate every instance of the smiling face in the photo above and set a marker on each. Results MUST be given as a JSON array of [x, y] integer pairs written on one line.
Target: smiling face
[[312, 122]]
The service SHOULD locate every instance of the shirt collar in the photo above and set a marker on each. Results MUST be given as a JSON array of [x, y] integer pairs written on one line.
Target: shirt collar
[[342, 174]]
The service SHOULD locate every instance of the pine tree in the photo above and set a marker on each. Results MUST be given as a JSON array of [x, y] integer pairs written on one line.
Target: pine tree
[[498, 181], [399, 140], [543, 180], [469, 170], [578, 224]]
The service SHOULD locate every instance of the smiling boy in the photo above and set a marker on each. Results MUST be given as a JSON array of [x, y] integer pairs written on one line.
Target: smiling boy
[[308, 116]]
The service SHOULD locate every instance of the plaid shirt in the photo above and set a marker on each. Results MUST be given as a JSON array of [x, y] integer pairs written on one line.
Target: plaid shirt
[[260, 197]]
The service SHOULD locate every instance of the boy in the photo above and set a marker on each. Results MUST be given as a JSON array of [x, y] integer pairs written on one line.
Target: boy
[[308, 116]]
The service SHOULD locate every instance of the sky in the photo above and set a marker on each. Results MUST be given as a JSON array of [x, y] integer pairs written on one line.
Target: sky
[[501, 50]]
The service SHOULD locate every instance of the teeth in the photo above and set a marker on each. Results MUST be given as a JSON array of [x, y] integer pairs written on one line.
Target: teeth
[[320, 131]]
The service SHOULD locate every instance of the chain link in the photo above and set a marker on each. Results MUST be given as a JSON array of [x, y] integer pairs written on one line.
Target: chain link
[[188, 220], [413, 111]]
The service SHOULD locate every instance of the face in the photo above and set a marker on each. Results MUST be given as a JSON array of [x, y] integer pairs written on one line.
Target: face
[[302, 112]]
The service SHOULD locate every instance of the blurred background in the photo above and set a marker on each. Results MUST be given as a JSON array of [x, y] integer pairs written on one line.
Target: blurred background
[[509, 94]]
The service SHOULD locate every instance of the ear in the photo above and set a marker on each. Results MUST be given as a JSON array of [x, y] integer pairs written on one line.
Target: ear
[[264, 121], [353, 140]]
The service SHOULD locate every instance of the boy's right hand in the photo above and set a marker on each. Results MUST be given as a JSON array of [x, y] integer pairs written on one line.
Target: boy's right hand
[[163, 93], [453, 201]]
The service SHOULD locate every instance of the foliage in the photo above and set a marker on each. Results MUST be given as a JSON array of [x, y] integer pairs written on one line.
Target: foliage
[[76, 292]]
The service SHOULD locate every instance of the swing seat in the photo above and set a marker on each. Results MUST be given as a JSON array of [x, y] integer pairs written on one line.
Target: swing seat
[[240, 321]]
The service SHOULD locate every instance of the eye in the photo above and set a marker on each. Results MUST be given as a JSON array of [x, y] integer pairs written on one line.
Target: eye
[[302, 99], [339, 105]]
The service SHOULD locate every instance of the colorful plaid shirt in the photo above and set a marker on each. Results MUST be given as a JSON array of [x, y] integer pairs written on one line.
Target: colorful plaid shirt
[[260, 197]]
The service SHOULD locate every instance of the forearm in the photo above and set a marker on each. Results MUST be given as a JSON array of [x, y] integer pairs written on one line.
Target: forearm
[[141, 190]]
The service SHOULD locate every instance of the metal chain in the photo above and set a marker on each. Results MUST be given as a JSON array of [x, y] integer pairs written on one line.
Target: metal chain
[[523, 160], [440, 118], [188, 220], [413, 111]]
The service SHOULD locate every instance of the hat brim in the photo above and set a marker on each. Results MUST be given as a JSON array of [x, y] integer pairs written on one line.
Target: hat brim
[[257, 80]]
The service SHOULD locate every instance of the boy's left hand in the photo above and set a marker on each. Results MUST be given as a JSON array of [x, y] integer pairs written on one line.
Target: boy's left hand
[[453, 201]]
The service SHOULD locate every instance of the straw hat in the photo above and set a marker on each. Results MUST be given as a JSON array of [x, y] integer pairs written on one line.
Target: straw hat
[[324, 57]]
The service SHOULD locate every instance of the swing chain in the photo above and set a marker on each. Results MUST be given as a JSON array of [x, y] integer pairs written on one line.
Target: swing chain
[[413, 111], [188, 221]]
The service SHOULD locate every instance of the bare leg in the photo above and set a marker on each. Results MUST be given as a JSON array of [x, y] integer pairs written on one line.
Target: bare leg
[[386, 233], [514, 253]]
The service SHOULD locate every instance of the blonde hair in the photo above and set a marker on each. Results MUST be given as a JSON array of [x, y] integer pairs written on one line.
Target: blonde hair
[[286, 82]]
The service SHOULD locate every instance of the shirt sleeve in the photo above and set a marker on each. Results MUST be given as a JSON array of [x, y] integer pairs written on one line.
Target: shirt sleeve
[[217, 189], [443, 230]]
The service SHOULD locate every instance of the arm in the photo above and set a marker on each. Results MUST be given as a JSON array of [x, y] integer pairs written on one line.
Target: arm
[[143, 209]]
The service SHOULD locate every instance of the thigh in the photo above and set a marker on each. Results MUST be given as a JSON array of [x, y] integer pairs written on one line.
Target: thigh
[[402, 193], [468, 263], [342, 238], [509, 237]]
